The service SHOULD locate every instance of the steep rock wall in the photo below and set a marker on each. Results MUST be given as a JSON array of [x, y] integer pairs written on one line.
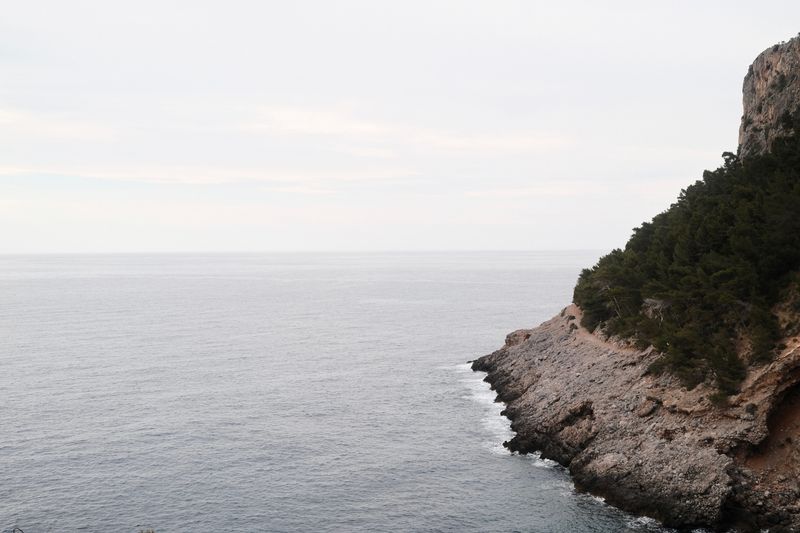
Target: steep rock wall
[[771, 90]]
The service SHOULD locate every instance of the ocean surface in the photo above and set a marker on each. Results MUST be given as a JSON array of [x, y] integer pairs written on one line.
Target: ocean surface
[[274, 392]]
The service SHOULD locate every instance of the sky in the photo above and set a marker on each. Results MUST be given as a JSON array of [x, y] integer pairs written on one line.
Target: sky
[[163, 126]]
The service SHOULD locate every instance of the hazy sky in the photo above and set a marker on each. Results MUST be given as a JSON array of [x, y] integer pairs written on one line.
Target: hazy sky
[[374, 125]]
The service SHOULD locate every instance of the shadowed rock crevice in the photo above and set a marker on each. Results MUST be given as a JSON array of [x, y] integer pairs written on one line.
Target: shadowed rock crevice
[[777, 458]]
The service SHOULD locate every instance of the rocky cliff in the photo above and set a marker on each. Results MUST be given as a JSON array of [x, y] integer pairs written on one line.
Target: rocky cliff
[[771, 90], [645, 442]]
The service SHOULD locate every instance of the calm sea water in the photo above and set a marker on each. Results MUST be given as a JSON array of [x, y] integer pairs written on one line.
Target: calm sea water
[[286, 392]]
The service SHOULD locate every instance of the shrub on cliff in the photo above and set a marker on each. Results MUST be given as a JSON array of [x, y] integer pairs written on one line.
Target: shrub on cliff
[[699, 282]]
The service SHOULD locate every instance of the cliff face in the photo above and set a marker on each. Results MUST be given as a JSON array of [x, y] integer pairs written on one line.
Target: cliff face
[[646, 443], [771, 89]]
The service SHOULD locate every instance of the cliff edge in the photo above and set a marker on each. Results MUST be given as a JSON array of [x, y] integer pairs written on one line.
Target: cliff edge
[[771, 91], [645, 442], [689, 454]]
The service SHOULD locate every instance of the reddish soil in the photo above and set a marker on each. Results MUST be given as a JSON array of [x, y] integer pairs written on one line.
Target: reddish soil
[[779, 454]]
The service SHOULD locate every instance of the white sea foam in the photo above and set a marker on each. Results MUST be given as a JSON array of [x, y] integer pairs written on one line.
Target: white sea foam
[[497, 426], [221, 379], [644, 521]]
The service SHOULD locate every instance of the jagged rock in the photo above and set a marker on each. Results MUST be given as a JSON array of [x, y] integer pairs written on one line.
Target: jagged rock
[[771, 90], [644, 442]]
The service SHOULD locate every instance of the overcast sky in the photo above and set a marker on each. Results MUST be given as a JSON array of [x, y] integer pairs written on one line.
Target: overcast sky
[[372, 125]]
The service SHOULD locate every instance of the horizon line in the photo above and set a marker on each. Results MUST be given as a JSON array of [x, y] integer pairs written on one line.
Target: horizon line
[[264, 252]]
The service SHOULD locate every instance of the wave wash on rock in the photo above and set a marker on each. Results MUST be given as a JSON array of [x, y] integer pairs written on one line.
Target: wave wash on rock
[[673, 387]]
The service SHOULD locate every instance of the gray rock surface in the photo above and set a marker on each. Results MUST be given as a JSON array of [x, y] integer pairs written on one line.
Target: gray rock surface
[[644, 442], [771, 89]]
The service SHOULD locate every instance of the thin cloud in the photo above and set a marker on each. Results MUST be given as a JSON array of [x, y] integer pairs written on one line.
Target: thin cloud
[[301, 190], [184, 175], [23, 123], [549, 189], [384, 139], [366, 152], [291, 120], [491, 145]]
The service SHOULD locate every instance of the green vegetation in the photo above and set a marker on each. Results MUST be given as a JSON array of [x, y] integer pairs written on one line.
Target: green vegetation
[[701, 280]]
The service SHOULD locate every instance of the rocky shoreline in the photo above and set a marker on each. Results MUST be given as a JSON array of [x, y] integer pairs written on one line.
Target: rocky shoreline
[[644, 442]]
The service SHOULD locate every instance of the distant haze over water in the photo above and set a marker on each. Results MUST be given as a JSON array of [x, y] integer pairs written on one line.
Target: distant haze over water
[[274, 392]]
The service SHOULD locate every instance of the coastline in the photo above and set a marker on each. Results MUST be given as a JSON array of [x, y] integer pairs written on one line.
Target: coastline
[[642, 442]]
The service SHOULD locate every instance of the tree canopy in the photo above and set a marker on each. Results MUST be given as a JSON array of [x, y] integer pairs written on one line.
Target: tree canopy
[[700, 281]]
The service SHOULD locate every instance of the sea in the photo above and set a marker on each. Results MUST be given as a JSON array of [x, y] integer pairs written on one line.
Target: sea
[[293, 392]]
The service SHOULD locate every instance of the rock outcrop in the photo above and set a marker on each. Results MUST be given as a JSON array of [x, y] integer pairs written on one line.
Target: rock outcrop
[[644, 442], [771, 91]]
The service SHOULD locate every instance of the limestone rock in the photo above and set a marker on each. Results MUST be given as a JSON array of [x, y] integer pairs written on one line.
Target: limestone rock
[[771, 90], [644, 442]]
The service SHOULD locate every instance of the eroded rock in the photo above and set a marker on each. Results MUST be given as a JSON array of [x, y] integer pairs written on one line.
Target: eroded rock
[[771, 91], [644, 442]]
